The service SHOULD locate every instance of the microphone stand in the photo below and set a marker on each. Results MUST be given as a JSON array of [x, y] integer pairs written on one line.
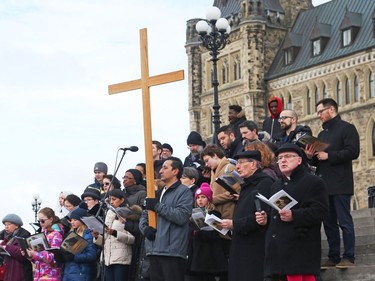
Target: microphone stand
[[102, 202]]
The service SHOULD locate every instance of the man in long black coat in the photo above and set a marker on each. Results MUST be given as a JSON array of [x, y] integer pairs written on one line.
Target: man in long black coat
[[247, 247], [293, 242]]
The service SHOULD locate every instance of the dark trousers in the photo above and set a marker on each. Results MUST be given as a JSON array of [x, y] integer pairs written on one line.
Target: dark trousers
[[167, 268], [116, 272], [339, 217]]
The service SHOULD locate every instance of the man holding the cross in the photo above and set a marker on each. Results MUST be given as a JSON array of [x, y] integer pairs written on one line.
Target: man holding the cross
[[166, 246]]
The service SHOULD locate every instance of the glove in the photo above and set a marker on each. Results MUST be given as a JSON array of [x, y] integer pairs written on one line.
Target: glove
[[68, 256], [150, 233], [151, 203]]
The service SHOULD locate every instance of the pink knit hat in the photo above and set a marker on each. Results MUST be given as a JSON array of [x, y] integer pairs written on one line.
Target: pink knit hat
[[205, 190]]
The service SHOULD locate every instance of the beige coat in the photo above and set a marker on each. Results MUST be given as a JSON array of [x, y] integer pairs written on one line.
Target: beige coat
[[220, 196], [117, 250]]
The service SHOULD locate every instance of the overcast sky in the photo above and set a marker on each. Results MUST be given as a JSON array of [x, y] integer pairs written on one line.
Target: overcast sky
[[57, 119]]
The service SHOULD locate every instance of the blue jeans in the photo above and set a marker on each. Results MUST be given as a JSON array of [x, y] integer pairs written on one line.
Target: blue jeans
[[339, 216]]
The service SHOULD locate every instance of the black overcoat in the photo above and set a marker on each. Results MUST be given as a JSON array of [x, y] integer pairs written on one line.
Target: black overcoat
[[247, 247], [295, 247]]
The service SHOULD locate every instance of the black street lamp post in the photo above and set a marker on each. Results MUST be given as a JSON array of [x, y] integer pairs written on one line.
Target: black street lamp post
[[36, 205], [214, 33]]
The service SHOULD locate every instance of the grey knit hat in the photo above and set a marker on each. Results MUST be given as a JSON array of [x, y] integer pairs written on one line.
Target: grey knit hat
[[13, 218], [101, 167]]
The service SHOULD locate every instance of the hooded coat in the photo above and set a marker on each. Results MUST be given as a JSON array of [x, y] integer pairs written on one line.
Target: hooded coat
[[246, 256], [271, 124]]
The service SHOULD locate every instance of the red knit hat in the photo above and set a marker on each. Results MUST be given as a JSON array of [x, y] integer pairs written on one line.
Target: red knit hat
[[205, 190]]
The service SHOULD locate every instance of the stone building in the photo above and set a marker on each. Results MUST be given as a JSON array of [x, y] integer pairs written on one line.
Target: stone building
[[300, 53]]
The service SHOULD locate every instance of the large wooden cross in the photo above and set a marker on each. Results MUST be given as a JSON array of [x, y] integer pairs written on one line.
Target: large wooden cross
[[145, 83]]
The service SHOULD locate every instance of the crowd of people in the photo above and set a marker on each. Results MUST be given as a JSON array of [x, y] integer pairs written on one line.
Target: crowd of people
[[263, 241]]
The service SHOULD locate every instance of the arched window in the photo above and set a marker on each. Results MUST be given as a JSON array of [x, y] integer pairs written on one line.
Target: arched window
[[235, 74], [371, 84], [356, 94], [224, 74], [283, 102], [347, 91], [325, 95], [237, 69], [338, 93], [308, 101], [373, 140], [316, 95], [289, 105]]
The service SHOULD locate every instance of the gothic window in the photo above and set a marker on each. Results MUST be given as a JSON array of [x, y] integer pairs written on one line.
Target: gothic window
[[316, 95], [283, 102], [237, 69], [338, 93], [289, 105], [371, 85], [235, 75], [356, 94], [225, 72], [347, 91], [308, 101], [373, 140], [325, 95]]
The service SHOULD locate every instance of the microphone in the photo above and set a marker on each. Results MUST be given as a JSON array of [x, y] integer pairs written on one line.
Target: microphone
[[132, 148], [256, 201]]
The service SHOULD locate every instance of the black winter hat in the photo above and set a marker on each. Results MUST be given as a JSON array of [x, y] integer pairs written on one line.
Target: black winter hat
[[290, 147], [250, 154], [168, 146], [91, 192], [137, 175], [78, 214], [195, 138]]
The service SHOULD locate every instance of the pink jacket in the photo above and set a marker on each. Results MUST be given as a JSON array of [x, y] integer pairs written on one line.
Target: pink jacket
[[46, 268]]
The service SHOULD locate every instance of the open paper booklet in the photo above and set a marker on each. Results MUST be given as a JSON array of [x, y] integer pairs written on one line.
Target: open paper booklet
[[3, 252], [310, 140], [214, 222], [280, 200], [197, 217], [227, 180], [37, 242], [94, 224], [73, 243]]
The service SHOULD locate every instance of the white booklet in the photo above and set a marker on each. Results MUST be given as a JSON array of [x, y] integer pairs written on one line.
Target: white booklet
[[93, 223], [280, 200], [214, 222]]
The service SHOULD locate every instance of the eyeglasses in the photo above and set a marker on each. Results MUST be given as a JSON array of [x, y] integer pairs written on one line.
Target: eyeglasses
[[319, 112], [126, 177], [282, 118], [243, 161], [106, 183], [286, 156], [42, 221]]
